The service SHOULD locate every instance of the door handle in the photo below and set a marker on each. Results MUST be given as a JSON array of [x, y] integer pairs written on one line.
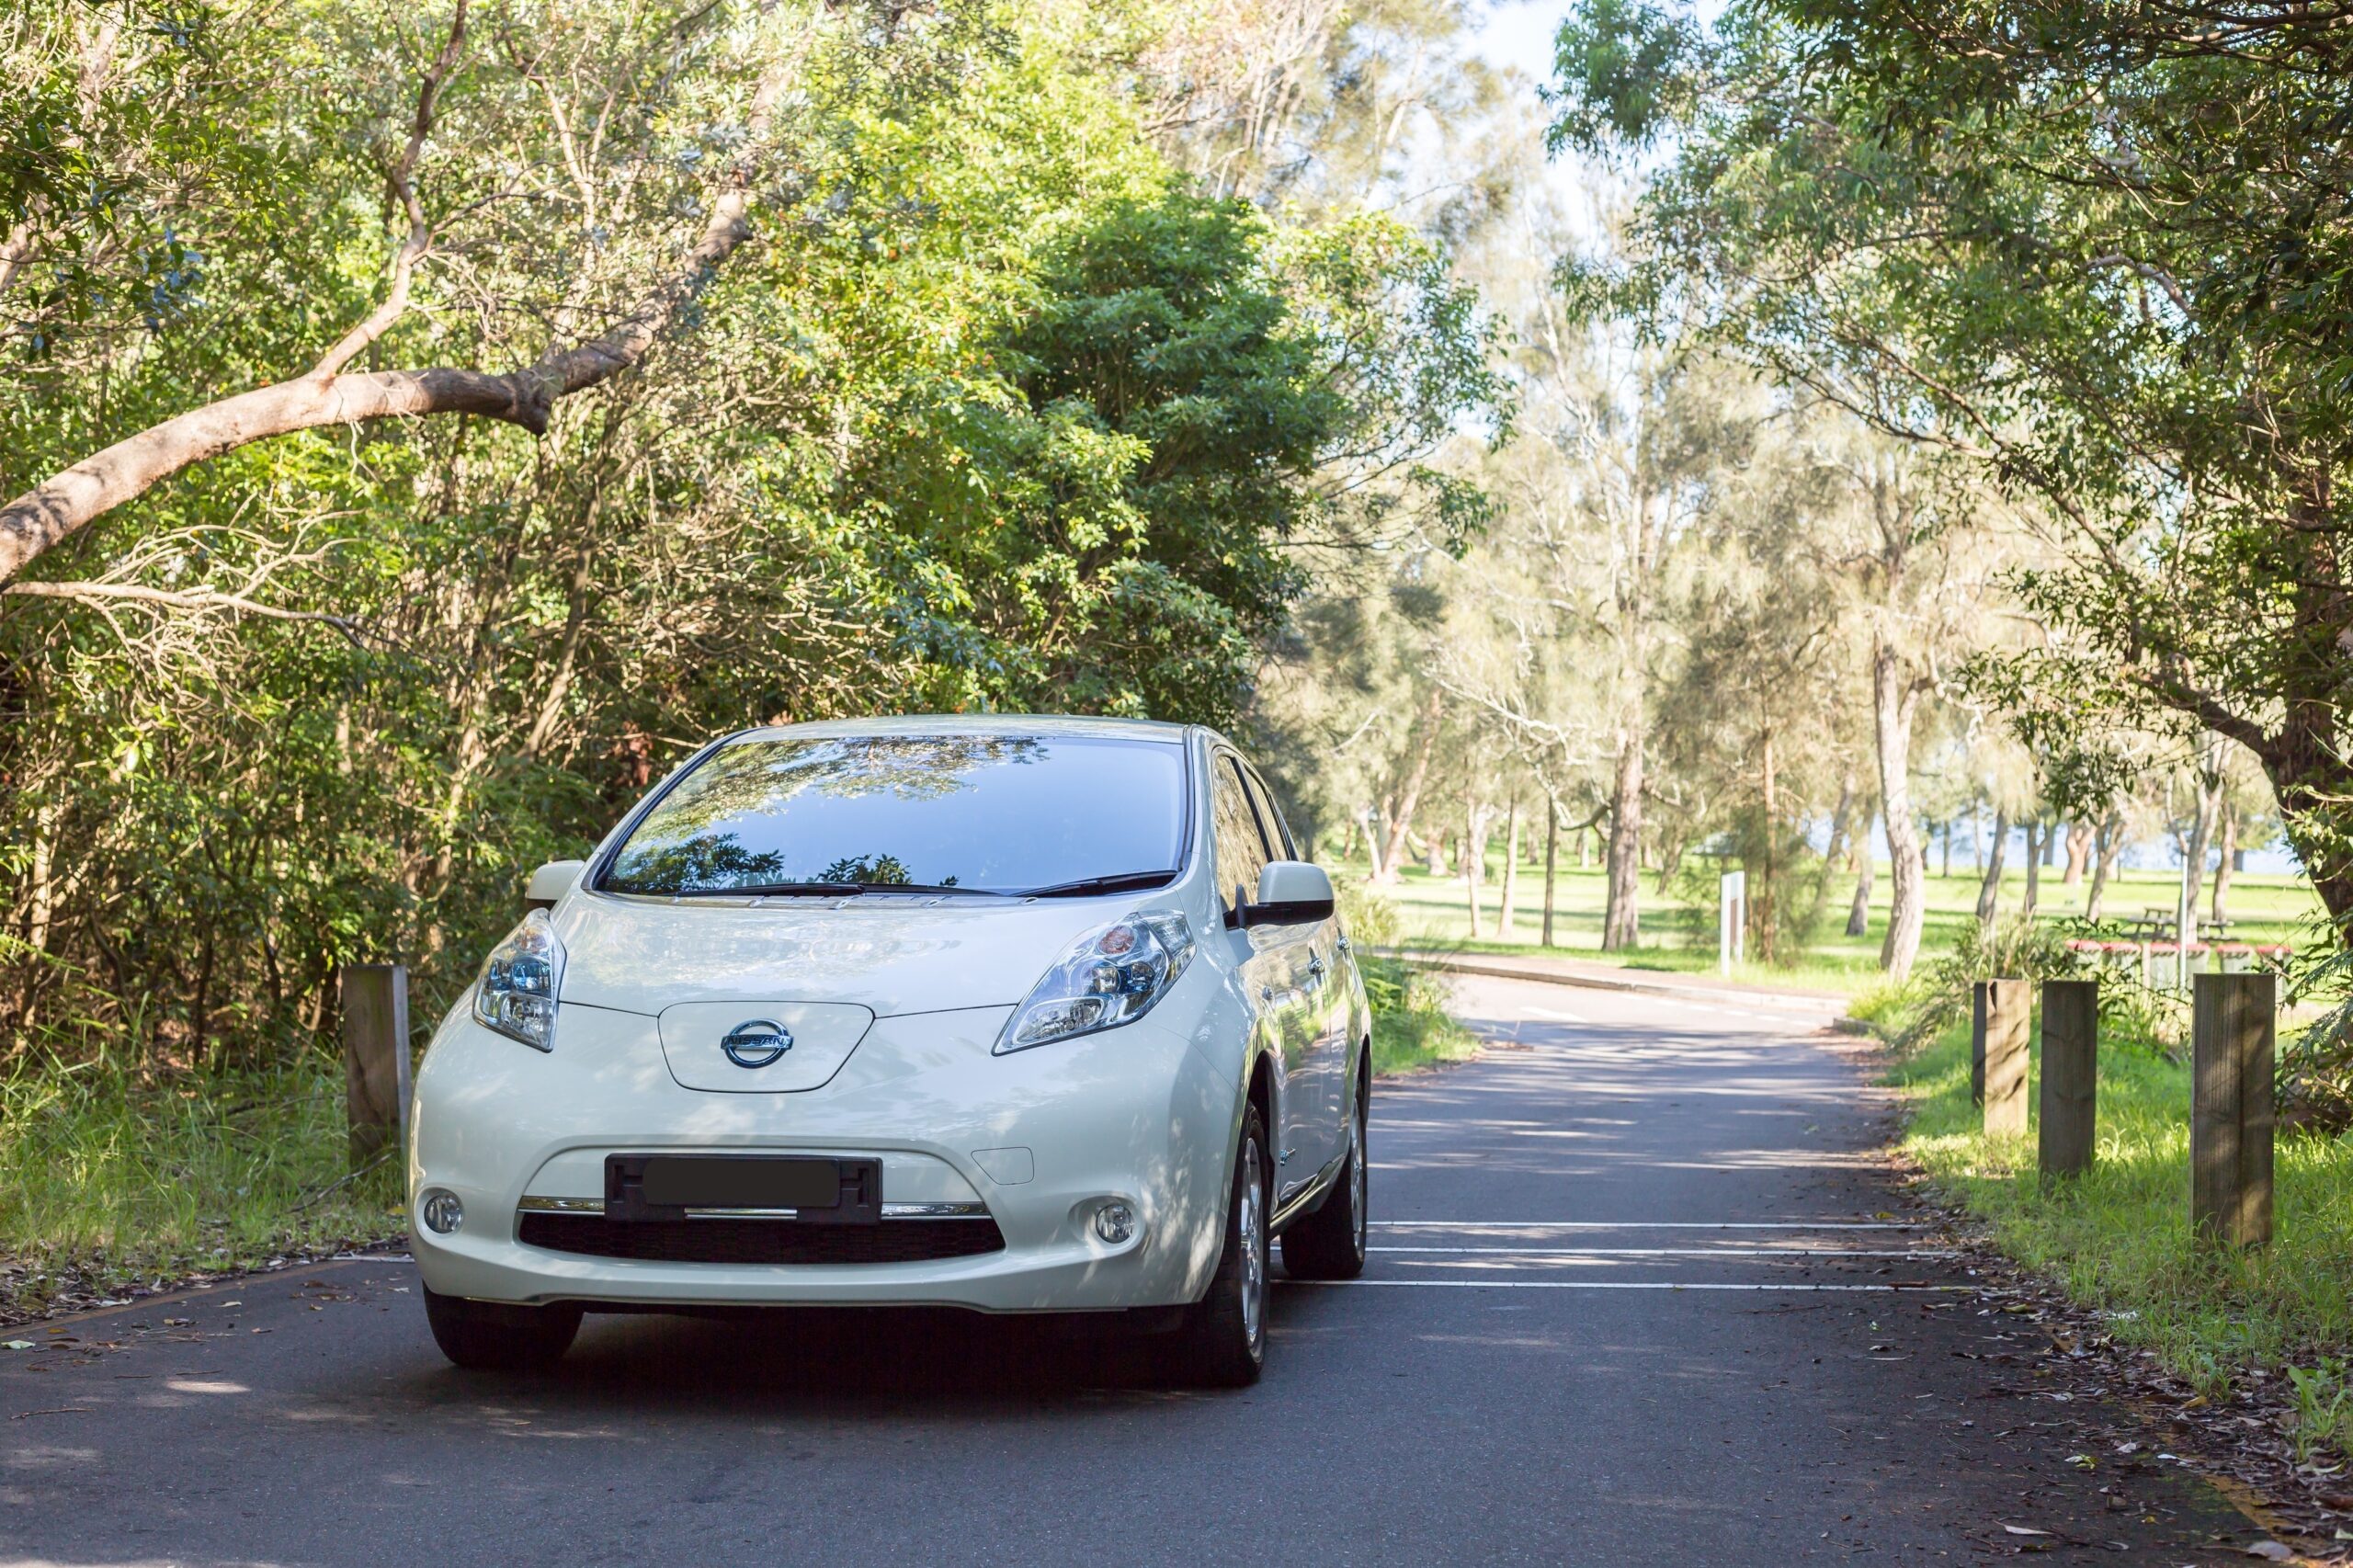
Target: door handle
[[1315, 970], [1265, 994]]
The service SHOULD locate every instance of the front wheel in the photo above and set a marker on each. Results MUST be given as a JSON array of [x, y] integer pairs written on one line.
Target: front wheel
[[1330, 1243], [1223, 1340], [491, 1337]]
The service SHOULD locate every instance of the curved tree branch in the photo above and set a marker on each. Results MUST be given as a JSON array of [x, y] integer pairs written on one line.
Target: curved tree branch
[[62, 505], [188, 599]]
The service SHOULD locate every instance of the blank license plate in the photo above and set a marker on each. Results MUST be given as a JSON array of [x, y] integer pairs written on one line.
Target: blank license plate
[[651, 1187]]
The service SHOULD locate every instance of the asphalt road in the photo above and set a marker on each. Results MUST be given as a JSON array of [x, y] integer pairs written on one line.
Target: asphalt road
[[1641, 1293]]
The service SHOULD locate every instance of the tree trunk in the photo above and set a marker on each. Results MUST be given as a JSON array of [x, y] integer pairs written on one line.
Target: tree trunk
[[1474, 861], [1945, 870], [2223, 864], [1436, 863], [1622, 916], [2079, 852], [1858, 912], [1552, 860], [2193, 855], [2038, 844], [2106, 844], [1504, 923], [1893, 701], [1409, 794], [1835, 848], [1761, 923], [1989, 890], [1585, 847]]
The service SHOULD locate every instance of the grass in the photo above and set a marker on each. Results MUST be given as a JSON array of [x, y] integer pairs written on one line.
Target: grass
[[1411, 1026], [2118, 1238], [107, 1179], [1433, 912]]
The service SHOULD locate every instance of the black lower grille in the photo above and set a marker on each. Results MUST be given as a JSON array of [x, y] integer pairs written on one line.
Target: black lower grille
[[761, 1241]]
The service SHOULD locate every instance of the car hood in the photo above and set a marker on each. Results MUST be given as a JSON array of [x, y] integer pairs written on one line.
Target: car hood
[[889, 955]]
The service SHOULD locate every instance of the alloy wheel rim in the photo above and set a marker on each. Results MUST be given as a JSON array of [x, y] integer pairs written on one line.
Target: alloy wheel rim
[[1253, 1246]]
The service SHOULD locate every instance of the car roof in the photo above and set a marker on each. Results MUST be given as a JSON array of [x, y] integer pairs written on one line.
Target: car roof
[[984, 724]]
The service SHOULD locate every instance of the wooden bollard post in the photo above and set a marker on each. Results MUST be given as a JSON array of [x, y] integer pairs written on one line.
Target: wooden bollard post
[[2233, 1021], [2006, 1005], [2070, 1074], [375, 1056], [1977, 1042]]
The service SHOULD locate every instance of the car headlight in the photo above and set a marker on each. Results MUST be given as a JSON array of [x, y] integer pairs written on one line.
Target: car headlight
[[516, 993], [1110, 976]]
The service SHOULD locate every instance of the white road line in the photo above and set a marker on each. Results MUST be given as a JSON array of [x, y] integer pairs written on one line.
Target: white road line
[[1486, 1225], [1557, 1013], [1676, 1252], [1630, 1285]]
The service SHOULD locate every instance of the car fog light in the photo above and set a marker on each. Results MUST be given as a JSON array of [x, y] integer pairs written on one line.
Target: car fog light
[[442, 1211], [1115, 1223]]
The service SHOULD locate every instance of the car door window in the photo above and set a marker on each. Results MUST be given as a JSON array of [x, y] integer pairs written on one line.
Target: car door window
[[1270, 815], [1241, 851]]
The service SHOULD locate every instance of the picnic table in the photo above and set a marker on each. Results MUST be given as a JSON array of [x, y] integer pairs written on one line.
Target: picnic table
[[2156, 925]]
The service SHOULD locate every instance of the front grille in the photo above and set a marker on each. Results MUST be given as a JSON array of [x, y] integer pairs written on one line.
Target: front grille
[[760, 1241]]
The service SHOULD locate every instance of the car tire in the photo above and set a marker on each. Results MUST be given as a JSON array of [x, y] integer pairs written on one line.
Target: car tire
[[489, 1336], [1330, 1243], [1223, 1340]]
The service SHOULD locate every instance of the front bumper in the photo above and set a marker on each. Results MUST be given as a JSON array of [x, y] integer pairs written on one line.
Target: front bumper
[[1039, 1138]]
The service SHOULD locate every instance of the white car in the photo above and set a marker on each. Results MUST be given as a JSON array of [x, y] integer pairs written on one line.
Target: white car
[[1034, 1015]]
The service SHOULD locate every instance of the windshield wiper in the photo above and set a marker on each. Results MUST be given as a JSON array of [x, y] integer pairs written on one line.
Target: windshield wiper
[[774, 890], [827, 890], [1121, 881]]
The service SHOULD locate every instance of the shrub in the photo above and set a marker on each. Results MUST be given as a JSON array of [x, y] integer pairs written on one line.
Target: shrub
[[1369, 919]]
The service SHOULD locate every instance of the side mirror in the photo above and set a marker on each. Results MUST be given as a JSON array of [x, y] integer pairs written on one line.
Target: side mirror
[[551, 883], [1291, 892]]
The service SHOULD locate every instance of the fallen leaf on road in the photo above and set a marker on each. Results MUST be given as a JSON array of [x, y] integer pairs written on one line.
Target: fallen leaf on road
[[2270, 1551], [2083, 1462], [20, 1344], [60, 1410], [2022, 1529]]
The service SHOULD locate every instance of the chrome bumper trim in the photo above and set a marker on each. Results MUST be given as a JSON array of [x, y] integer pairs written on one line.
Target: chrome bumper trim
[[890, 1210]]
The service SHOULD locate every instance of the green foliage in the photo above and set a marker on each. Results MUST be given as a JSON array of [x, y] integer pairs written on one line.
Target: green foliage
[[1411, 1026], [998, 412], [2008, 949], [1369, 920], [1782, 870], [2078, 247]]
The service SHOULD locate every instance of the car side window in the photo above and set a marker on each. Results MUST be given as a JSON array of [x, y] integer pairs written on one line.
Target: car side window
[[1270, 815], [1241, 851]]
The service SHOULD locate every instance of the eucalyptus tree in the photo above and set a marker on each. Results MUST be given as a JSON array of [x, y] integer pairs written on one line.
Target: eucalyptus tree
[[2097, 250]]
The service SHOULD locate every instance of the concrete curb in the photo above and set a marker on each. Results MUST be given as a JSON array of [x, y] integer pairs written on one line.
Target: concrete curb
[[1497, 970]]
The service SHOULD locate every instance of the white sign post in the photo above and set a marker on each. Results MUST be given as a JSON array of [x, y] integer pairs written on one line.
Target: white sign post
[[1731, 918]]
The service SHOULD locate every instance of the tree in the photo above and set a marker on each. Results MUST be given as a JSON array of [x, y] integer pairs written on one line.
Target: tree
[[2080, 247]]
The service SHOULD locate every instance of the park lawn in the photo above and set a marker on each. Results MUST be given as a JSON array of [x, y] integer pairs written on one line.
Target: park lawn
[[108, 1182], [1434, 913], [2118, 1238]]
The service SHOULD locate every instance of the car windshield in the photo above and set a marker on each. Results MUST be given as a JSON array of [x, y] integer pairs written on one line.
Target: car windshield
[[995, 814]]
